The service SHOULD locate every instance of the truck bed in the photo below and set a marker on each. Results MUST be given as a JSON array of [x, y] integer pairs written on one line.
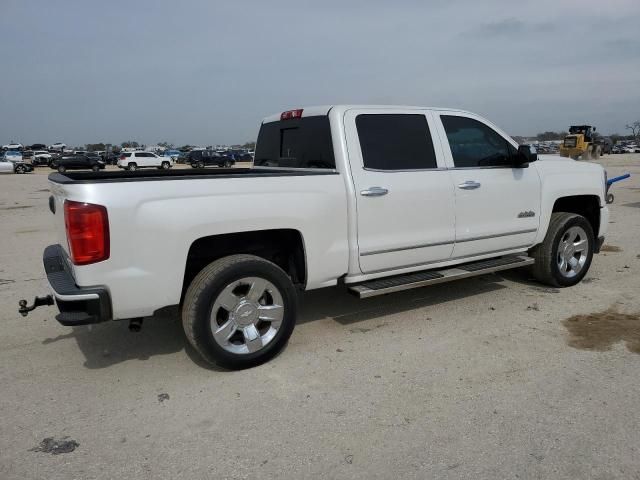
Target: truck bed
[[182, 174]]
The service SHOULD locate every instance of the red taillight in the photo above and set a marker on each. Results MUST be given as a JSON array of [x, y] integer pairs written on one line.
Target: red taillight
[[87, 232], [289, 114], [123, 157]]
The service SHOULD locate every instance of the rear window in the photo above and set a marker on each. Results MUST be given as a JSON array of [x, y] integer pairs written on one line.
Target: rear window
[[128, 154], [296, 143]]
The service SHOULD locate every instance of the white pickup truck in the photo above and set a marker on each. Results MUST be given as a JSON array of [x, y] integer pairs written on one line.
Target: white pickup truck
[[377, 198]]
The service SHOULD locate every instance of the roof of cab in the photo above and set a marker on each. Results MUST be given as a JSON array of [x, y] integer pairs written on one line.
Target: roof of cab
[[317, 110]]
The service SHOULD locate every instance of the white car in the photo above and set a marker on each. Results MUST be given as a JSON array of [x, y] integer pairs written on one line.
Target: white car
[[57, 147], [13, 146], [41, 157], [13, 156], [7, 166], [375, 198], [136, 160]]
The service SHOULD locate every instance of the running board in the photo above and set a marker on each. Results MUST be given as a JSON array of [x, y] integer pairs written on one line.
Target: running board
[[397, 283]]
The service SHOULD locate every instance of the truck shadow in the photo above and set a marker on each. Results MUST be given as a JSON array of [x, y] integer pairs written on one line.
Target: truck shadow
[[346, 309], [111, 343]]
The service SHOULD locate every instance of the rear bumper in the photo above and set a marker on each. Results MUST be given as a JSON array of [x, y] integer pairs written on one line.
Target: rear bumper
[[77, 305]]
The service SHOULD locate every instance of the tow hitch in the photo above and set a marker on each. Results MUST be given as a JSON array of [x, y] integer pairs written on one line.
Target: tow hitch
[[37, 302]]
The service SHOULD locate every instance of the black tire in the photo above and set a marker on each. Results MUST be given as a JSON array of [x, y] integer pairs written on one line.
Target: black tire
[[21, 169], [545, 268], [165, 166], [133, 166], [227, 164], [610, 198], [95, 168], [62, 168], [201, 296], [200, 164]]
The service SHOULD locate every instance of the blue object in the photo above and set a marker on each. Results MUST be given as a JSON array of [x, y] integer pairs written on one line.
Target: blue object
[[613, 180]]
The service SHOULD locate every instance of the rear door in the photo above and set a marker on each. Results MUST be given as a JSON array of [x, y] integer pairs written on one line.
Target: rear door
[[497, 205], [405, 198]]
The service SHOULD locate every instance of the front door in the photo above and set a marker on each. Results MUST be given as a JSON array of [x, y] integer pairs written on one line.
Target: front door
[[404, 194], [497, 205]]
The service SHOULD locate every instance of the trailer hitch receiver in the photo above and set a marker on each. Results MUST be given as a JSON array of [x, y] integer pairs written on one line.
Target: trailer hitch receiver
[[37, 302]]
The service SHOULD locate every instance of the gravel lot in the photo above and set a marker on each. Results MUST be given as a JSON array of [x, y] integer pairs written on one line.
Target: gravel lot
[[478, 379]]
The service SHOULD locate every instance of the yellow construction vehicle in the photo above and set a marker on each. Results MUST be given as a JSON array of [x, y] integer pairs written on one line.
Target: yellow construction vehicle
[[581, 143]]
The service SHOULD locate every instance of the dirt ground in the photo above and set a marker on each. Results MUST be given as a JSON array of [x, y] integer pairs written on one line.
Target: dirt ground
[[487, 378]]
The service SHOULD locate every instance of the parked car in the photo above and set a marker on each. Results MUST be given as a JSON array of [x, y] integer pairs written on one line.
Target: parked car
[[41, 157], [183, 157], [412, 196], [136, 160], [38, 146], [13, 147], [77, 162], [57, 147], [208, 158], [10, 166], [111, 158], [13, 156], [174, 154]]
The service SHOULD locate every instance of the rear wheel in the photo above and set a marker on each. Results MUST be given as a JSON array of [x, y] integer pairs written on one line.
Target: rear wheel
[[62, 168], [200, 164], [227, 164], [239, 311], [165, 165], [21, 169], [133, 166], [586, 155], [95, 168], [596, 152], [564, 257]]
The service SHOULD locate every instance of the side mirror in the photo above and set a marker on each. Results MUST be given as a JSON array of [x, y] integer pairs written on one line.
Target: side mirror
[[526, 154]]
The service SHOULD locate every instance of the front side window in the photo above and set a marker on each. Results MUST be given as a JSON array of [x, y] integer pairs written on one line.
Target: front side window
[[395, 142], [474, 144]]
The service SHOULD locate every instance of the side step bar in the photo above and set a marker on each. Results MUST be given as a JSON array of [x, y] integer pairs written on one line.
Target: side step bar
[[397, 283]]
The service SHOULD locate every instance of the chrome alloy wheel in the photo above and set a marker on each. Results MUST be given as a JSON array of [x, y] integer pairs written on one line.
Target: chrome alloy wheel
[[572, 251], [246, 315]]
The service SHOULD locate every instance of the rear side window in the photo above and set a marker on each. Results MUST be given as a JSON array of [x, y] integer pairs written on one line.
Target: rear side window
[[395, 142], [296, 143], [474, 144], [127, 154]]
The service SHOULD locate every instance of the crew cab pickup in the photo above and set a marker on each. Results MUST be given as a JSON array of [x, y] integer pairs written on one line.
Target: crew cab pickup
[[375, 198]]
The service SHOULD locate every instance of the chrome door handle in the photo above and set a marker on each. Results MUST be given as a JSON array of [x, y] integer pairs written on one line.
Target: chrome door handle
[[374, 192], [469, 185]]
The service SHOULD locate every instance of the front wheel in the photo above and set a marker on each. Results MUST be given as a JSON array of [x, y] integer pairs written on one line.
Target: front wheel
[[21, 169], [62, 168], [239, 311], [95, 168], [133, 167], [564, 257], [165, 165]]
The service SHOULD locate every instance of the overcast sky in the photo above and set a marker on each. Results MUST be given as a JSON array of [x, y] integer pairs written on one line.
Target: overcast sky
[[207, 71]]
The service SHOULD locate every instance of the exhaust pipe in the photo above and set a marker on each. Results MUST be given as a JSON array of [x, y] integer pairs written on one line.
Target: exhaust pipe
[[135, 325]]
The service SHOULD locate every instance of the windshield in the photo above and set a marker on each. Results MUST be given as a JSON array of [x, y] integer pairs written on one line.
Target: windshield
[[295, 143]]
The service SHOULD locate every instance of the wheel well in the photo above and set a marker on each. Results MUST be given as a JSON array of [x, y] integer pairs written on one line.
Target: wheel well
[[284, 247], [586, 205]]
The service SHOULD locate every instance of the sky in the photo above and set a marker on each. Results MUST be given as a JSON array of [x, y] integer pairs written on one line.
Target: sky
[[206, 72]]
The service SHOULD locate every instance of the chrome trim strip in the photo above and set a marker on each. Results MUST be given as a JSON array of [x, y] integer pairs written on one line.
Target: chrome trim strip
[[391, 250], [404, 267], [484, 237], [437, 244], [437, 169], [75, 298]]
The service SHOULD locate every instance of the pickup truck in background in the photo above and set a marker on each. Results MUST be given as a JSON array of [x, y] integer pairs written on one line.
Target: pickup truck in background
[[376, 198]]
